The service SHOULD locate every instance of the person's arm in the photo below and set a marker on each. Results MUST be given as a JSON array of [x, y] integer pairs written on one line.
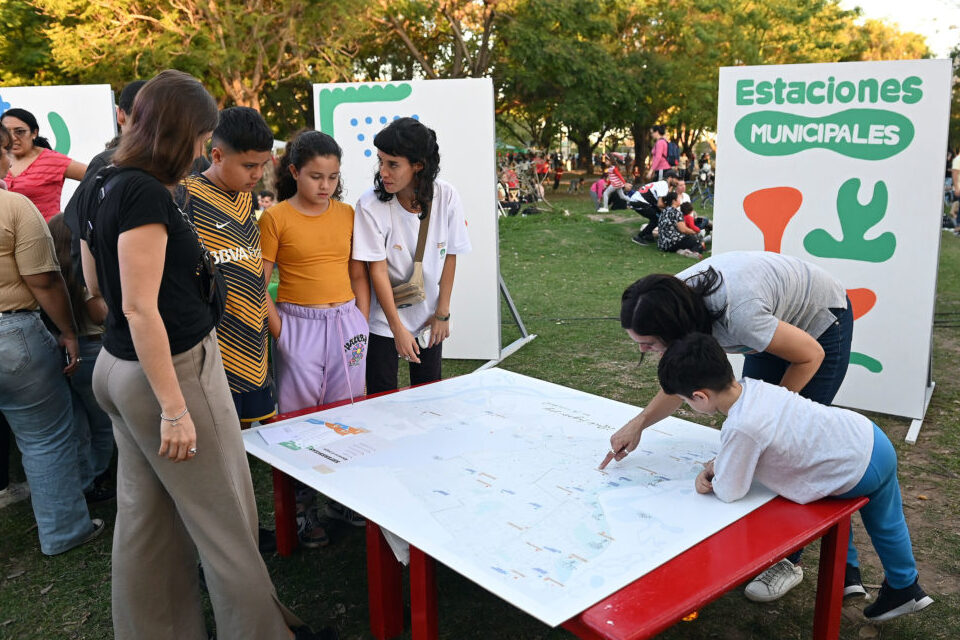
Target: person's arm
[[75, 170], [141, 252], [51, 292], [735, 465], [405, 342], [955, 174], [360, 283], [96, 309], [801, 350], [440, 329], [684, 229], [628, 437], [704, 481], [274, 323]]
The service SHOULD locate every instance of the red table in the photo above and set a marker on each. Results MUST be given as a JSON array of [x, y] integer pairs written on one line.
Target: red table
[[643, 608]]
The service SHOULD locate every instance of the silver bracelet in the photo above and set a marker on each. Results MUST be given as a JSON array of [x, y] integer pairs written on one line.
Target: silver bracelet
[[174, 420]]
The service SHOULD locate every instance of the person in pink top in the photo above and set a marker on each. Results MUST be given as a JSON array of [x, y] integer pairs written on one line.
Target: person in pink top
[[38, 171], [596, 191], [658, 157]]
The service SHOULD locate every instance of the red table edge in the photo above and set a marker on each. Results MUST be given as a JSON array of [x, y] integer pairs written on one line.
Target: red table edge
[[833, 527], [384, 573]]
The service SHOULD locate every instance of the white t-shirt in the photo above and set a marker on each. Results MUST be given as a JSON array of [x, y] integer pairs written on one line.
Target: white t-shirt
[[659, 189], [387, 231], [798, 448], [760, 289]]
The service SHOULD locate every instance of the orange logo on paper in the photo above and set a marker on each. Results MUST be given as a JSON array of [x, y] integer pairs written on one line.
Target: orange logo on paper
[[344, 430]]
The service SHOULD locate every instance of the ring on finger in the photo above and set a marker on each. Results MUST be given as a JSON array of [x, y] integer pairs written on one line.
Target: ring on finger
[[192, 451]]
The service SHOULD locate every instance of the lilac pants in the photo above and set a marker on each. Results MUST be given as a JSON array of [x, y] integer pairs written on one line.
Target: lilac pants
[[321, 355]]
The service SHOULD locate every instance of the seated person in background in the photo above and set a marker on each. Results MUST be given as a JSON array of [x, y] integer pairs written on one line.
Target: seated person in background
[[803, 451], [511, 207], [699, 224], [675, 235], [645, 201]]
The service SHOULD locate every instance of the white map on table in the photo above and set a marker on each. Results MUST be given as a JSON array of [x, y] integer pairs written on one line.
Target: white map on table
[[494, 474]]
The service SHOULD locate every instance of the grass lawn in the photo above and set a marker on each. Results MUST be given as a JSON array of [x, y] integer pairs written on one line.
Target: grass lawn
[[566, 273]]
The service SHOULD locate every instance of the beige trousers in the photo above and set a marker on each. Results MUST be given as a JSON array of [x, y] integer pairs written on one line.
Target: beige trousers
[[169, 513]]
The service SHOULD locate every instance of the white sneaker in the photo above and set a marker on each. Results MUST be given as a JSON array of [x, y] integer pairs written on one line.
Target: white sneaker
[[775, 582], [687, 253], [15, 492], [603, 210]]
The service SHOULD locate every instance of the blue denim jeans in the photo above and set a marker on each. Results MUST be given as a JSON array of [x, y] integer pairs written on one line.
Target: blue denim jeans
[[35, 398], [92, 426], [826, 381], [883, 515]]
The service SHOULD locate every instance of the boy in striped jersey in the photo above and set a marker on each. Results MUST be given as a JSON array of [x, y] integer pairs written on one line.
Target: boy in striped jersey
[[220, 203]]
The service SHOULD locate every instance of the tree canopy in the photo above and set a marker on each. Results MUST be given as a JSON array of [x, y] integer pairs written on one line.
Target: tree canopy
[[587, 67]]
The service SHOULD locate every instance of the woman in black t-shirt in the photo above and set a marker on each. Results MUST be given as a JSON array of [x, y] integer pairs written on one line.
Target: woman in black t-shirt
[[161, 380]]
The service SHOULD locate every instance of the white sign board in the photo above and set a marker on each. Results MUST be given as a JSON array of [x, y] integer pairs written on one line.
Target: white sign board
[[843, 165], [495, 475], [77, 120], [461, 112]]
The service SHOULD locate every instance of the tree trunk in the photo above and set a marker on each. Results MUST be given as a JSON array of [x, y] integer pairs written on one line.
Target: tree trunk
[[641, 145], [584, 149]]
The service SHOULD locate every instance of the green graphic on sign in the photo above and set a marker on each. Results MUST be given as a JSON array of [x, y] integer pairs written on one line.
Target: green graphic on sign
[[865, 134], [871, 364], [330, 99], [855, 220], [60, 132]]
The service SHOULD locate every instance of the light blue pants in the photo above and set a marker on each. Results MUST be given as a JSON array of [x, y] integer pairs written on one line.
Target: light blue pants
[[92, 426], [883, 515], [35, 398]]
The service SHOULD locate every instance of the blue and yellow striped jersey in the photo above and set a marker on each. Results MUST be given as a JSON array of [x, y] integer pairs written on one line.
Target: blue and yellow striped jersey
[[227, 224]]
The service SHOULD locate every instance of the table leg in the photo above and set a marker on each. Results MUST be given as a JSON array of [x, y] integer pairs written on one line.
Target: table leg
[[285, 513], [833, 562], [423, 595], [384, 586]]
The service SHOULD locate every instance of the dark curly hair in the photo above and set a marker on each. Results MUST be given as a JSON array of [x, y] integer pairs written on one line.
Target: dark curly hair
[[664, 306], [306, 145], [410, 139]]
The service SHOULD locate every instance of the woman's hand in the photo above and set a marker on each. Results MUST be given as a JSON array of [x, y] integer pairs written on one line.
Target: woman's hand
[[178, 438], [704, 481], [439, 330], [624, 441], [406, 344]]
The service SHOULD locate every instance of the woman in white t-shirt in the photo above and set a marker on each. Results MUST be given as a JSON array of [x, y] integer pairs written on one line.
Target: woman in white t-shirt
[[386, 229]]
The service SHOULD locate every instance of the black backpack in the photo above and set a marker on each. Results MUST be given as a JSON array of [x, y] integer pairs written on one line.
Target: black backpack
[[673, 153]]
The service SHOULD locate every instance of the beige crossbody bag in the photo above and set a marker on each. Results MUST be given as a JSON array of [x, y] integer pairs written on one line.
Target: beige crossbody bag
[[411, 292]]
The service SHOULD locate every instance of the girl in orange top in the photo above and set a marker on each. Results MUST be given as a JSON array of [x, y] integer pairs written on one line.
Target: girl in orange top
[[319, 321]]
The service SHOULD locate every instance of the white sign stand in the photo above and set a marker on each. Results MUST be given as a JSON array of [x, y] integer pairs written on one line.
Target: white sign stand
[[842, 165]]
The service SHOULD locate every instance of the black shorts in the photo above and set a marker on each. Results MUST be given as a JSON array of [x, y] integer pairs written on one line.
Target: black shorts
[[255, 405]]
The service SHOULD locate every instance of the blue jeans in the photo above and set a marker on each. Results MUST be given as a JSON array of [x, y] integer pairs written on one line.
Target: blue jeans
[[826, 381], [92, 426], [883, 515], [35, 398]]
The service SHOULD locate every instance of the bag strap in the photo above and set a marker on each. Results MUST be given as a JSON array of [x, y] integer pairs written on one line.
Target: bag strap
[[422, 237]]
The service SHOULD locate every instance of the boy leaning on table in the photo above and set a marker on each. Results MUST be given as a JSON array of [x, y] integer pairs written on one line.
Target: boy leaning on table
[[804, 451]]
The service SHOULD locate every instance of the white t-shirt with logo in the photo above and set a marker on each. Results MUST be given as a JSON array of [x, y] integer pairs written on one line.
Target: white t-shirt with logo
[[387, 231]]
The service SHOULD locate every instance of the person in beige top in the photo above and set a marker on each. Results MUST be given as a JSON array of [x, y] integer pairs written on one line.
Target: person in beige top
[[34, 395]]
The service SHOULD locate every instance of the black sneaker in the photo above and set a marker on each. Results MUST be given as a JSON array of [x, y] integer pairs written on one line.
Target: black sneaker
[[640, 240], [892, 603], [306, 633], [852, 584], [99, 494], [267, 540]]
